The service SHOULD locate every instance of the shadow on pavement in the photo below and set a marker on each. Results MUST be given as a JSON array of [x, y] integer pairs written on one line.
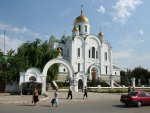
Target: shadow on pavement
[[120, 106]]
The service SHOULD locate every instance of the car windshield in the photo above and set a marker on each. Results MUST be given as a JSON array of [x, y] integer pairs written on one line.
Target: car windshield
[[132, 94], [147, 94]]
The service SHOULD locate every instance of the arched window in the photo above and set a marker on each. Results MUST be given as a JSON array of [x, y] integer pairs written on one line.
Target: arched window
[[79, 28], [78, 67], [93, 52], [106, 69], [96, 54], [89, 53], [105, 55], [86, 28], [78, 52]]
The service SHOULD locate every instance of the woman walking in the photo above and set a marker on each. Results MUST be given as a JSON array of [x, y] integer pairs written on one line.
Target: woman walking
[[35, 96]]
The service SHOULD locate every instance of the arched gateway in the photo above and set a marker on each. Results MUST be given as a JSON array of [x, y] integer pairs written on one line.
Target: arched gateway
[[34, 74], [69, 68]]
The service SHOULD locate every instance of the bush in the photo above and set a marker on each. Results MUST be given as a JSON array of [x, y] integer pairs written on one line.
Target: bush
[[62, 84]]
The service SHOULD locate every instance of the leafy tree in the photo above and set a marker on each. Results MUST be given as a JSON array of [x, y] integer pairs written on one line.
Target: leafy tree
[[139, 73], [123, 78], [37, 54]]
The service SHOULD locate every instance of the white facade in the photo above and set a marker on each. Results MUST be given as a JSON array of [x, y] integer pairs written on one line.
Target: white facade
[[89, 55]]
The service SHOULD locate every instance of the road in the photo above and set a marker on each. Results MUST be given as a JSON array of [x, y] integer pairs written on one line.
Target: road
[[99, 106]]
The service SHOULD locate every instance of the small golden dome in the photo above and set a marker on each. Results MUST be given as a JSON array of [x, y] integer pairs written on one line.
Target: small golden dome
[[75, 29], [81, 19], [101, 34]]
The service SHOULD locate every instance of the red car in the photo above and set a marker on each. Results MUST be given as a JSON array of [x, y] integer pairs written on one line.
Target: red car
[[138, 98]]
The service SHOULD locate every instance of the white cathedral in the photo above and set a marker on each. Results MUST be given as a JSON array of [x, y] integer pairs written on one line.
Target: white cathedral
[[90, 55], [82, 57]]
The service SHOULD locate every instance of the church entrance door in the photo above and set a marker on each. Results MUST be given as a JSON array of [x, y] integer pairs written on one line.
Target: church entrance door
[[93, 77]]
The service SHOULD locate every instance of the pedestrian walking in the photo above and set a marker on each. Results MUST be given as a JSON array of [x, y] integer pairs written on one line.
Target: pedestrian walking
[[69, 93], [56, 98], [129, 89], [133, 88], [85, 92], [35, 97]]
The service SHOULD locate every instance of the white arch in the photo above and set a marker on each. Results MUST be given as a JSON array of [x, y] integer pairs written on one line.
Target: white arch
[[55, 61], [96, 67], [94, 38], [81, 75], [61, 61]]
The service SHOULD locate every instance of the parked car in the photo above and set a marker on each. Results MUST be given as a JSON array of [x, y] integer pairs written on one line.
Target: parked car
[[137, 98]]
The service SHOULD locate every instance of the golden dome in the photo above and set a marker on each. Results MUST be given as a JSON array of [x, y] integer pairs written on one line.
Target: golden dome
[[75, 29], [81, 19]]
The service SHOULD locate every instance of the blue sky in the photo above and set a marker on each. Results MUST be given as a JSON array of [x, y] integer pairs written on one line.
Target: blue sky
[[125, 24]]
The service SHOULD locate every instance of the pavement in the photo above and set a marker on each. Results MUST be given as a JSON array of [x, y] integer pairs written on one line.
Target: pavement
[[77, 97]]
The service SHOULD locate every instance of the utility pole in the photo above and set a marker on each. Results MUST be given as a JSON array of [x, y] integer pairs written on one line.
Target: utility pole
[[4, 42]]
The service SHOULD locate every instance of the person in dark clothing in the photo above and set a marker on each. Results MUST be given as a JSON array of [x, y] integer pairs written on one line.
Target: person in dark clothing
[[85, 92], [35, 96], [69, 94], [129, 89]]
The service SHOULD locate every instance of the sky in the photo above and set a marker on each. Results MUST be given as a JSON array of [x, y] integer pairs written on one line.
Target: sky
[[125, 24]]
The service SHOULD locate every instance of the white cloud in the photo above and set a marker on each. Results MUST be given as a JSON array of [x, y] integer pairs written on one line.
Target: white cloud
[[141, 32], [13, 28], [101, 10], [18, 30], [123, 9], [129, 40], [9, 43], [144, 57], [122, 54]]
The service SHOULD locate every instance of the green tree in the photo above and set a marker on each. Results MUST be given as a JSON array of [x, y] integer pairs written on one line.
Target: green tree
[[139, 73], [37, 54], [123, 78]]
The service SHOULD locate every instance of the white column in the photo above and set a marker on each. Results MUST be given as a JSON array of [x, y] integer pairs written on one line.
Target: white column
[[111, 65], [111, 81], [43, 81], [133, 82], [84, 82], [75, 84], [139, 82]]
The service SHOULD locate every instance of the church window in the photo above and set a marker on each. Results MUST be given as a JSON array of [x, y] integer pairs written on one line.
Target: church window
[[96, 54], [89, 53], [105, 55], [106, 69], [79, 28], [93, 52], [78, 67], [85, 28], [78, 52]]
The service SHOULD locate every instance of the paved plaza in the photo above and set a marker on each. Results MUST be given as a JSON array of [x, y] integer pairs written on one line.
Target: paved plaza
[[96, 103], [77, 97]]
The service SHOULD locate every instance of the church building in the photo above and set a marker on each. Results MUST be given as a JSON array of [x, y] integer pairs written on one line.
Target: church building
[[90, 55]]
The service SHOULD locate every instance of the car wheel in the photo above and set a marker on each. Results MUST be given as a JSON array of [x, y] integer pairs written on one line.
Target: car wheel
[[126, 104], [139, 104]]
